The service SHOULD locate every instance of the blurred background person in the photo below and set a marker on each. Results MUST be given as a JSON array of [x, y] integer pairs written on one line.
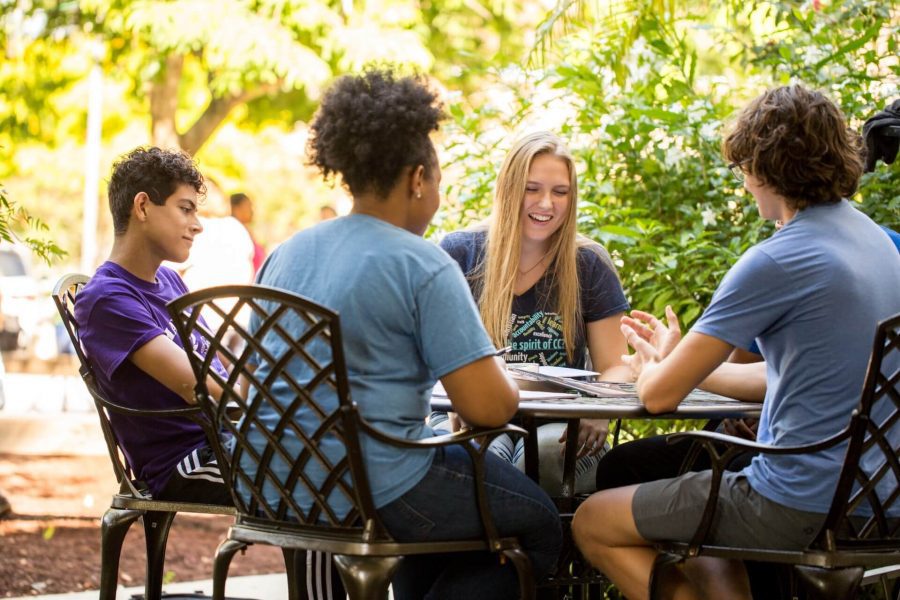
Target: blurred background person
[[326, 212], [242, 210], [223, 255]]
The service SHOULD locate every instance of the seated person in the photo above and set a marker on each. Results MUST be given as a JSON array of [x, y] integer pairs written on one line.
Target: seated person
[[811, 296], [544, 290], [131, 342], [742, 377], [407, 319], [128, 336], [647, 459]]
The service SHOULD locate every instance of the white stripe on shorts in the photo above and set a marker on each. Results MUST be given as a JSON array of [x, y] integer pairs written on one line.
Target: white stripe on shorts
[[190, 468], [320, 564]]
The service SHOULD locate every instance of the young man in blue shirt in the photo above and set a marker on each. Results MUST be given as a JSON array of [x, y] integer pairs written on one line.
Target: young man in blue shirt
[[810, 296]]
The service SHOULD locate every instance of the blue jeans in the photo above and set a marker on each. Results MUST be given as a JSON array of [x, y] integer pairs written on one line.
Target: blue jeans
[[442, 506]]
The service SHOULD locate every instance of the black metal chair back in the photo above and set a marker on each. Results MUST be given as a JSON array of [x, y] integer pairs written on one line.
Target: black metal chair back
[[870, 476], [862, 529], [290, 333], [64, 295], [297, 434]]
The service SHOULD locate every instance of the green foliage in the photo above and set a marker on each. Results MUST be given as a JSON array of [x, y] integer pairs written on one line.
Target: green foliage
[[15, 225], [643, 101], [272, 55], [644, 115], [849, 49], [232, 81]]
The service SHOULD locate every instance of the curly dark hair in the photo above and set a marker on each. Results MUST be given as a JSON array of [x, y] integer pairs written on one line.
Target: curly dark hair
[[369, 127], [797, 141], [154, 171]]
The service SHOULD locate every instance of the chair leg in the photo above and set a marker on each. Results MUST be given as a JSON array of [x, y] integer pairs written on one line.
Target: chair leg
[[113, 529], [156, 534], [366, 577], [523, 569], [224, 553], [295, 567], [663, 565], [829, 584]]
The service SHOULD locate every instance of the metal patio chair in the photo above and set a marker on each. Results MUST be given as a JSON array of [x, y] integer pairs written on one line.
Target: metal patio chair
[[268, 513], [846, 547], [133, 499]]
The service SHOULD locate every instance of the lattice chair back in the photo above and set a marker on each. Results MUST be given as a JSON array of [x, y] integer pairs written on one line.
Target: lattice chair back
[[295, 444], [65, 293], [870, 476]]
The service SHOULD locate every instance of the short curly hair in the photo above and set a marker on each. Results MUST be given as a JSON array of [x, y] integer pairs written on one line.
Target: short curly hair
[[154, 171], [369, 127], [797, 141]]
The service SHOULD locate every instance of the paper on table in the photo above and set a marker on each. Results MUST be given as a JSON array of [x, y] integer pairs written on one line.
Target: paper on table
[[440, 392], [565, 372], [599, 389]]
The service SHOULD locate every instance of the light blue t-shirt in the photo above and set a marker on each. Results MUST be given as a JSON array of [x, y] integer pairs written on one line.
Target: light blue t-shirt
[[407, 319], [811, 295]]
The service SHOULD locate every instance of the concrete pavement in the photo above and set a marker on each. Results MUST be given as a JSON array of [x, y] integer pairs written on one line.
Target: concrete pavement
[[256, 587], [48, 414]]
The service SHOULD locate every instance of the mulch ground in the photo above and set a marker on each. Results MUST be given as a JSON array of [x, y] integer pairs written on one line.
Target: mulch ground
[[51, 541]]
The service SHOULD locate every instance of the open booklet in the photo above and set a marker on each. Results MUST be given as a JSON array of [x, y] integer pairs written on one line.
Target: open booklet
[[440, 392], [584, 383], [573, 379]]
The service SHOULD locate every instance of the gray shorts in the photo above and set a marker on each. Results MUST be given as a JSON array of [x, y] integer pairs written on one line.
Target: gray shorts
[[670, 510]]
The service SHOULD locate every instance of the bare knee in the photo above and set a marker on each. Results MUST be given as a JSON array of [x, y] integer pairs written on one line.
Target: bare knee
[[606, 518], [583, 520]]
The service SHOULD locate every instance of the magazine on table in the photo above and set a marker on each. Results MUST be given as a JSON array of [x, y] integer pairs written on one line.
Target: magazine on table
[[590, 383]]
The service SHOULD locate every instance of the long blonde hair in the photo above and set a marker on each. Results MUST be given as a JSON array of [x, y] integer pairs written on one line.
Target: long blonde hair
[[500, 263]]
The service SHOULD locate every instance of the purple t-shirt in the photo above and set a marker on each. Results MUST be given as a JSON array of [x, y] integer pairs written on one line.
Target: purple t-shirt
[[117, 313]]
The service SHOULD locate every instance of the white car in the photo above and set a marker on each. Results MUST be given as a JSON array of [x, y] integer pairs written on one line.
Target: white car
[[25, 306]]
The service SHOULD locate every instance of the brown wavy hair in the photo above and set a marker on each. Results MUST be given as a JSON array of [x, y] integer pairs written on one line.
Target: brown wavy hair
[[796, 141]]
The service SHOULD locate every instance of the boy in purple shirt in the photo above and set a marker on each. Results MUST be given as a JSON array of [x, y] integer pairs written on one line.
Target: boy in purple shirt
[[128, 336]]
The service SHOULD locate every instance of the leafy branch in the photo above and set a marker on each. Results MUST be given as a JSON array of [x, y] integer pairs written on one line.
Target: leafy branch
[[16, 222]]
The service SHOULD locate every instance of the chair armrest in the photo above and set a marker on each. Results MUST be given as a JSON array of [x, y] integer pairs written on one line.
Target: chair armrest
[[475, 452], [188, 410], [748, 445], [733, 446]]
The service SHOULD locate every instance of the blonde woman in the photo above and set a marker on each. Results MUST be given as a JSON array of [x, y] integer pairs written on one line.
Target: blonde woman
[[544, 290]]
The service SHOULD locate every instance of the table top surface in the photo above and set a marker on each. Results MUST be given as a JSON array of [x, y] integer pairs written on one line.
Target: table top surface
[[602, 400]]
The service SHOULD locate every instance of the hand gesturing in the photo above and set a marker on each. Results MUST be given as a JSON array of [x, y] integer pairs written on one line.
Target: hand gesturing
[[651, 339]]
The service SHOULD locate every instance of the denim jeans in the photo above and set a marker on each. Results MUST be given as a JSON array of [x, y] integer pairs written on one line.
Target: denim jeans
[[442, 506]]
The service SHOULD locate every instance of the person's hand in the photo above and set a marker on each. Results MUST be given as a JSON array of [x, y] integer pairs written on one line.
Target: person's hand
[[651, 340], [644, 355], [663, 337], [456, 422], [591, 436], [742, 428]]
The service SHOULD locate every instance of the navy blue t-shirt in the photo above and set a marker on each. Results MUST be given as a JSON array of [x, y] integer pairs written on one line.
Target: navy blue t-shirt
[[535, 329]]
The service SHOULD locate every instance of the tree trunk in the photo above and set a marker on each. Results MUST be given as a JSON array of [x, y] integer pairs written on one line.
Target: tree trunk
[[164, 102], [216, 111]]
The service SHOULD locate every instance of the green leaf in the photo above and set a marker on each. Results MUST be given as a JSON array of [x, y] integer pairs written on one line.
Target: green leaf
[[870, 34], [621, 231]]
